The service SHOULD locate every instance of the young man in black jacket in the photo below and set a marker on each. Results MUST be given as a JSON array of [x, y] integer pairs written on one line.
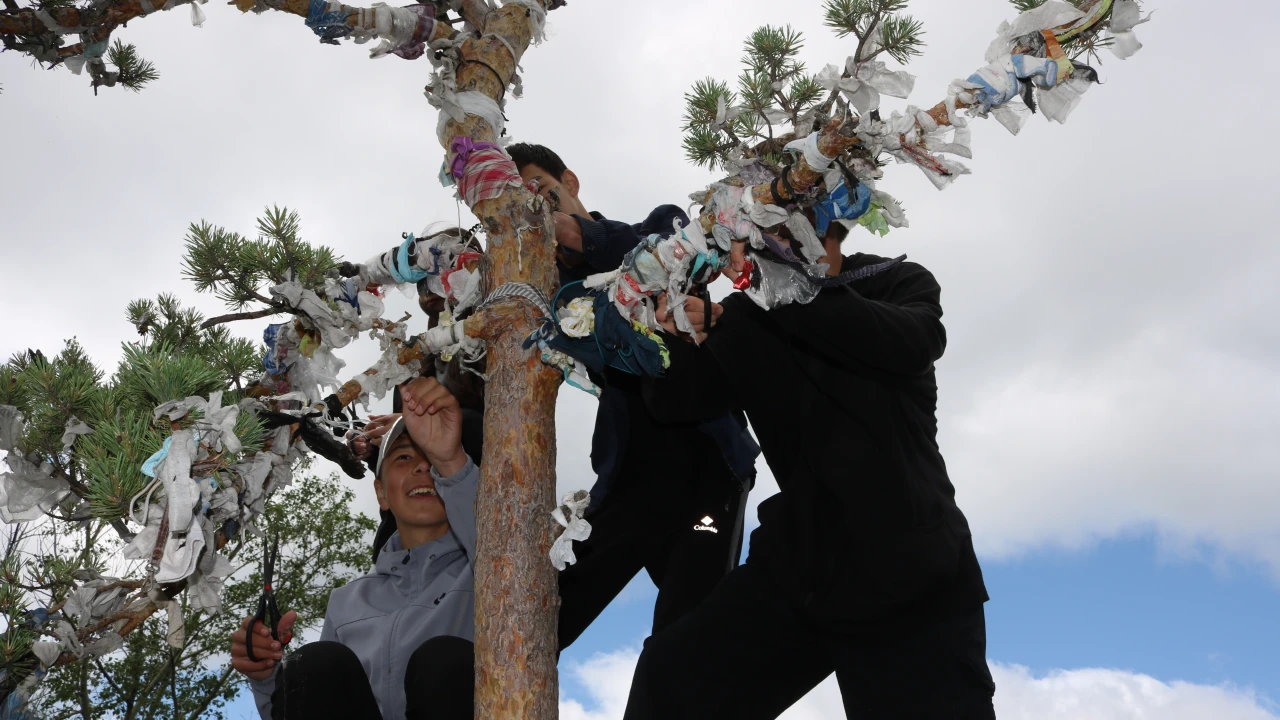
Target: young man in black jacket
[[669, 498], [863, 565]]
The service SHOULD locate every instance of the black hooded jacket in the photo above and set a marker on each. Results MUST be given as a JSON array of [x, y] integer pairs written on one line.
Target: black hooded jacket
[[625, 434], [841, 394]]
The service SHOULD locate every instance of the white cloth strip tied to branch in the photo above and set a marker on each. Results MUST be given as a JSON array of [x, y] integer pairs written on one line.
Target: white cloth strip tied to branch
[[394, 26], [808, 146], [74, 429], [11, 426], [471, 103], [198, 505], [537, 19], [866, 81], [450, 340], [28, 491], [197, 15], [912, 138], [570, 517], [45, 17], [434, 261]]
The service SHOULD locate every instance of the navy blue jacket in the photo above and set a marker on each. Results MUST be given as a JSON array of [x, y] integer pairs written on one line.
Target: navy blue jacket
[[622, 418]]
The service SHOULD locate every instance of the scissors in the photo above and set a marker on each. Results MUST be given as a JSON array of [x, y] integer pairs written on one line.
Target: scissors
[[268, 613]]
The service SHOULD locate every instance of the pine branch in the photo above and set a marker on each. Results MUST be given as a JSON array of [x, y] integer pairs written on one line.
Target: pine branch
[[1026, 5], [135, 72], [233, 317], [22, 29], [900, 37]]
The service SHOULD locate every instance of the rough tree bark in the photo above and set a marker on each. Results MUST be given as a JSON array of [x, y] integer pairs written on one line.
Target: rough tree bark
[[517, 600]]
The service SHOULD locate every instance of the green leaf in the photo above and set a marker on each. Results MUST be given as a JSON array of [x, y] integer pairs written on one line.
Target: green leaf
[[702, 146], [900, 35], [756, 89], [702, 102], [806, 92], [152, 375], [858, 17], [113, 455], [1026, 5], [135, 72]]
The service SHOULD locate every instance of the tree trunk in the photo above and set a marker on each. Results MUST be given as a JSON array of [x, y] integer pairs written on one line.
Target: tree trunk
[[517, 601]]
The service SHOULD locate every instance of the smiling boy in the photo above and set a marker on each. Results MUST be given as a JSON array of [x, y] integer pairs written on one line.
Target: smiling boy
[[396, 643]]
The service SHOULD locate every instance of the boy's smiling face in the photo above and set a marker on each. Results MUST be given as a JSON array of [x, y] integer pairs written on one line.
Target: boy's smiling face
[[406, 487]]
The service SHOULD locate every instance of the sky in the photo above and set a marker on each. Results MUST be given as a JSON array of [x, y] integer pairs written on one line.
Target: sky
[[1108, 398]]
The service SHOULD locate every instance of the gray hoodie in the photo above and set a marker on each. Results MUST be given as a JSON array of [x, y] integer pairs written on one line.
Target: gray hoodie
[[409, 598]]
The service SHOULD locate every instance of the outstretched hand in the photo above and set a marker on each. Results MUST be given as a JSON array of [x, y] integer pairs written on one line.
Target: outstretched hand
[[568, 231], [268, 650], [696, 309], [434, 421], [365, 444], [737, 260]]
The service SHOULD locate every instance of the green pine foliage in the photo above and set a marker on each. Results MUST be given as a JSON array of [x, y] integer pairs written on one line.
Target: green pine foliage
[[775, 90], [900, 35], [135, 73], [113, 455], [1025, 5], [49, 392], [177, 353], [238, 270]]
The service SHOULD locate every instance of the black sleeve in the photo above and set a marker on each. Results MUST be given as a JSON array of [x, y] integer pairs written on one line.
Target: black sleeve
[[605, 242], [691, 389], [900, 334]]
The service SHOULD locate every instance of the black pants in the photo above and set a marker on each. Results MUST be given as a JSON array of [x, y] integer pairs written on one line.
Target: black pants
[[326, 680], [644, 524], [747, 653]]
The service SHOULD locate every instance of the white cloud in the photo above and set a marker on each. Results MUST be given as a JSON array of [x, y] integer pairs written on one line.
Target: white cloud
[[1086, 694], [607, 679], [1097, 694], [1161, 432], [1109, 284]]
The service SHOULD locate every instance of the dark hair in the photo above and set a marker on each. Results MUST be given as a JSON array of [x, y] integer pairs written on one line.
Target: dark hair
[[528, 154], [837, 231]]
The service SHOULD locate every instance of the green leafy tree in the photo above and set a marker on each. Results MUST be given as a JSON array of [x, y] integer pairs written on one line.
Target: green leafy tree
[[77, 440], [323, 546]]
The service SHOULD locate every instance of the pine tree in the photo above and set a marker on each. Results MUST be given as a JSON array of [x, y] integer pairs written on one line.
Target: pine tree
[[475, 49], [745, 132], [774, 90], [84, 490]]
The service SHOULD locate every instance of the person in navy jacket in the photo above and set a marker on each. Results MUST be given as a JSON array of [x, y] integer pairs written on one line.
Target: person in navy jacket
[[669, 497]]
